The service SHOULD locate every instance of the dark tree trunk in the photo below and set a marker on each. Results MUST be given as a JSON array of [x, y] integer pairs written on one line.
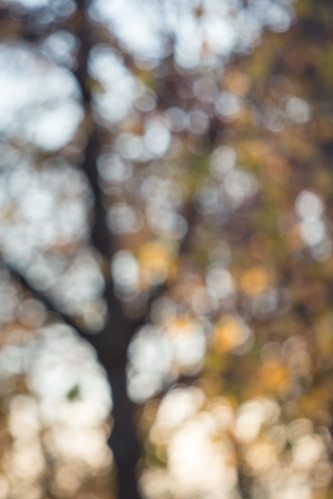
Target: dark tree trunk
[[112, 342]]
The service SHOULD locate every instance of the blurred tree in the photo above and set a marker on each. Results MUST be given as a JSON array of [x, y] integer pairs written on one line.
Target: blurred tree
[[165, 193]]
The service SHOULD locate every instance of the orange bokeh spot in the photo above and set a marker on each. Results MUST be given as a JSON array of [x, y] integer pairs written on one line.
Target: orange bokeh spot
[[179, 325], [155, 262], [254, 281], [228, 334]]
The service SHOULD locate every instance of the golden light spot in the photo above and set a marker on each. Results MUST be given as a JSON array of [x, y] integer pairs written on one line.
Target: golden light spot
[[229, 333], [260, 457], [274, 375], [179, 325], [155, 262], [253, 150], [254, 281]]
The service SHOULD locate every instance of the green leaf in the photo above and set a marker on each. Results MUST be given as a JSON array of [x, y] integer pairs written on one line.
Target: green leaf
[[74, 393]]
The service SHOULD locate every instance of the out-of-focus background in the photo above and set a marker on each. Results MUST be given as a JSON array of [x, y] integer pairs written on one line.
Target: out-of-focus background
[[166, 221]]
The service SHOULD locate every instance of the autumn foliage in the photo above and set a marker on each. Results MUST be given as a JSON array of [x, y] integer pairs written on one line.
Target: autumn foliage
[[166, 233]]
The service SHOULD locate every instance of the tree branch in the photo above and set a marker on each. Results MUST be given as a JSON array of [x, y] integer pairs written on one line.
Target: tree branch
[[46, 301]]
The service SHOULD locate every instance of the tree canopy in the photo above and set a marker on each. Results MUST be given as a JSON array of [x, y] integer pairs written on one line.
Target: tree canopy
[[166, 249]]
